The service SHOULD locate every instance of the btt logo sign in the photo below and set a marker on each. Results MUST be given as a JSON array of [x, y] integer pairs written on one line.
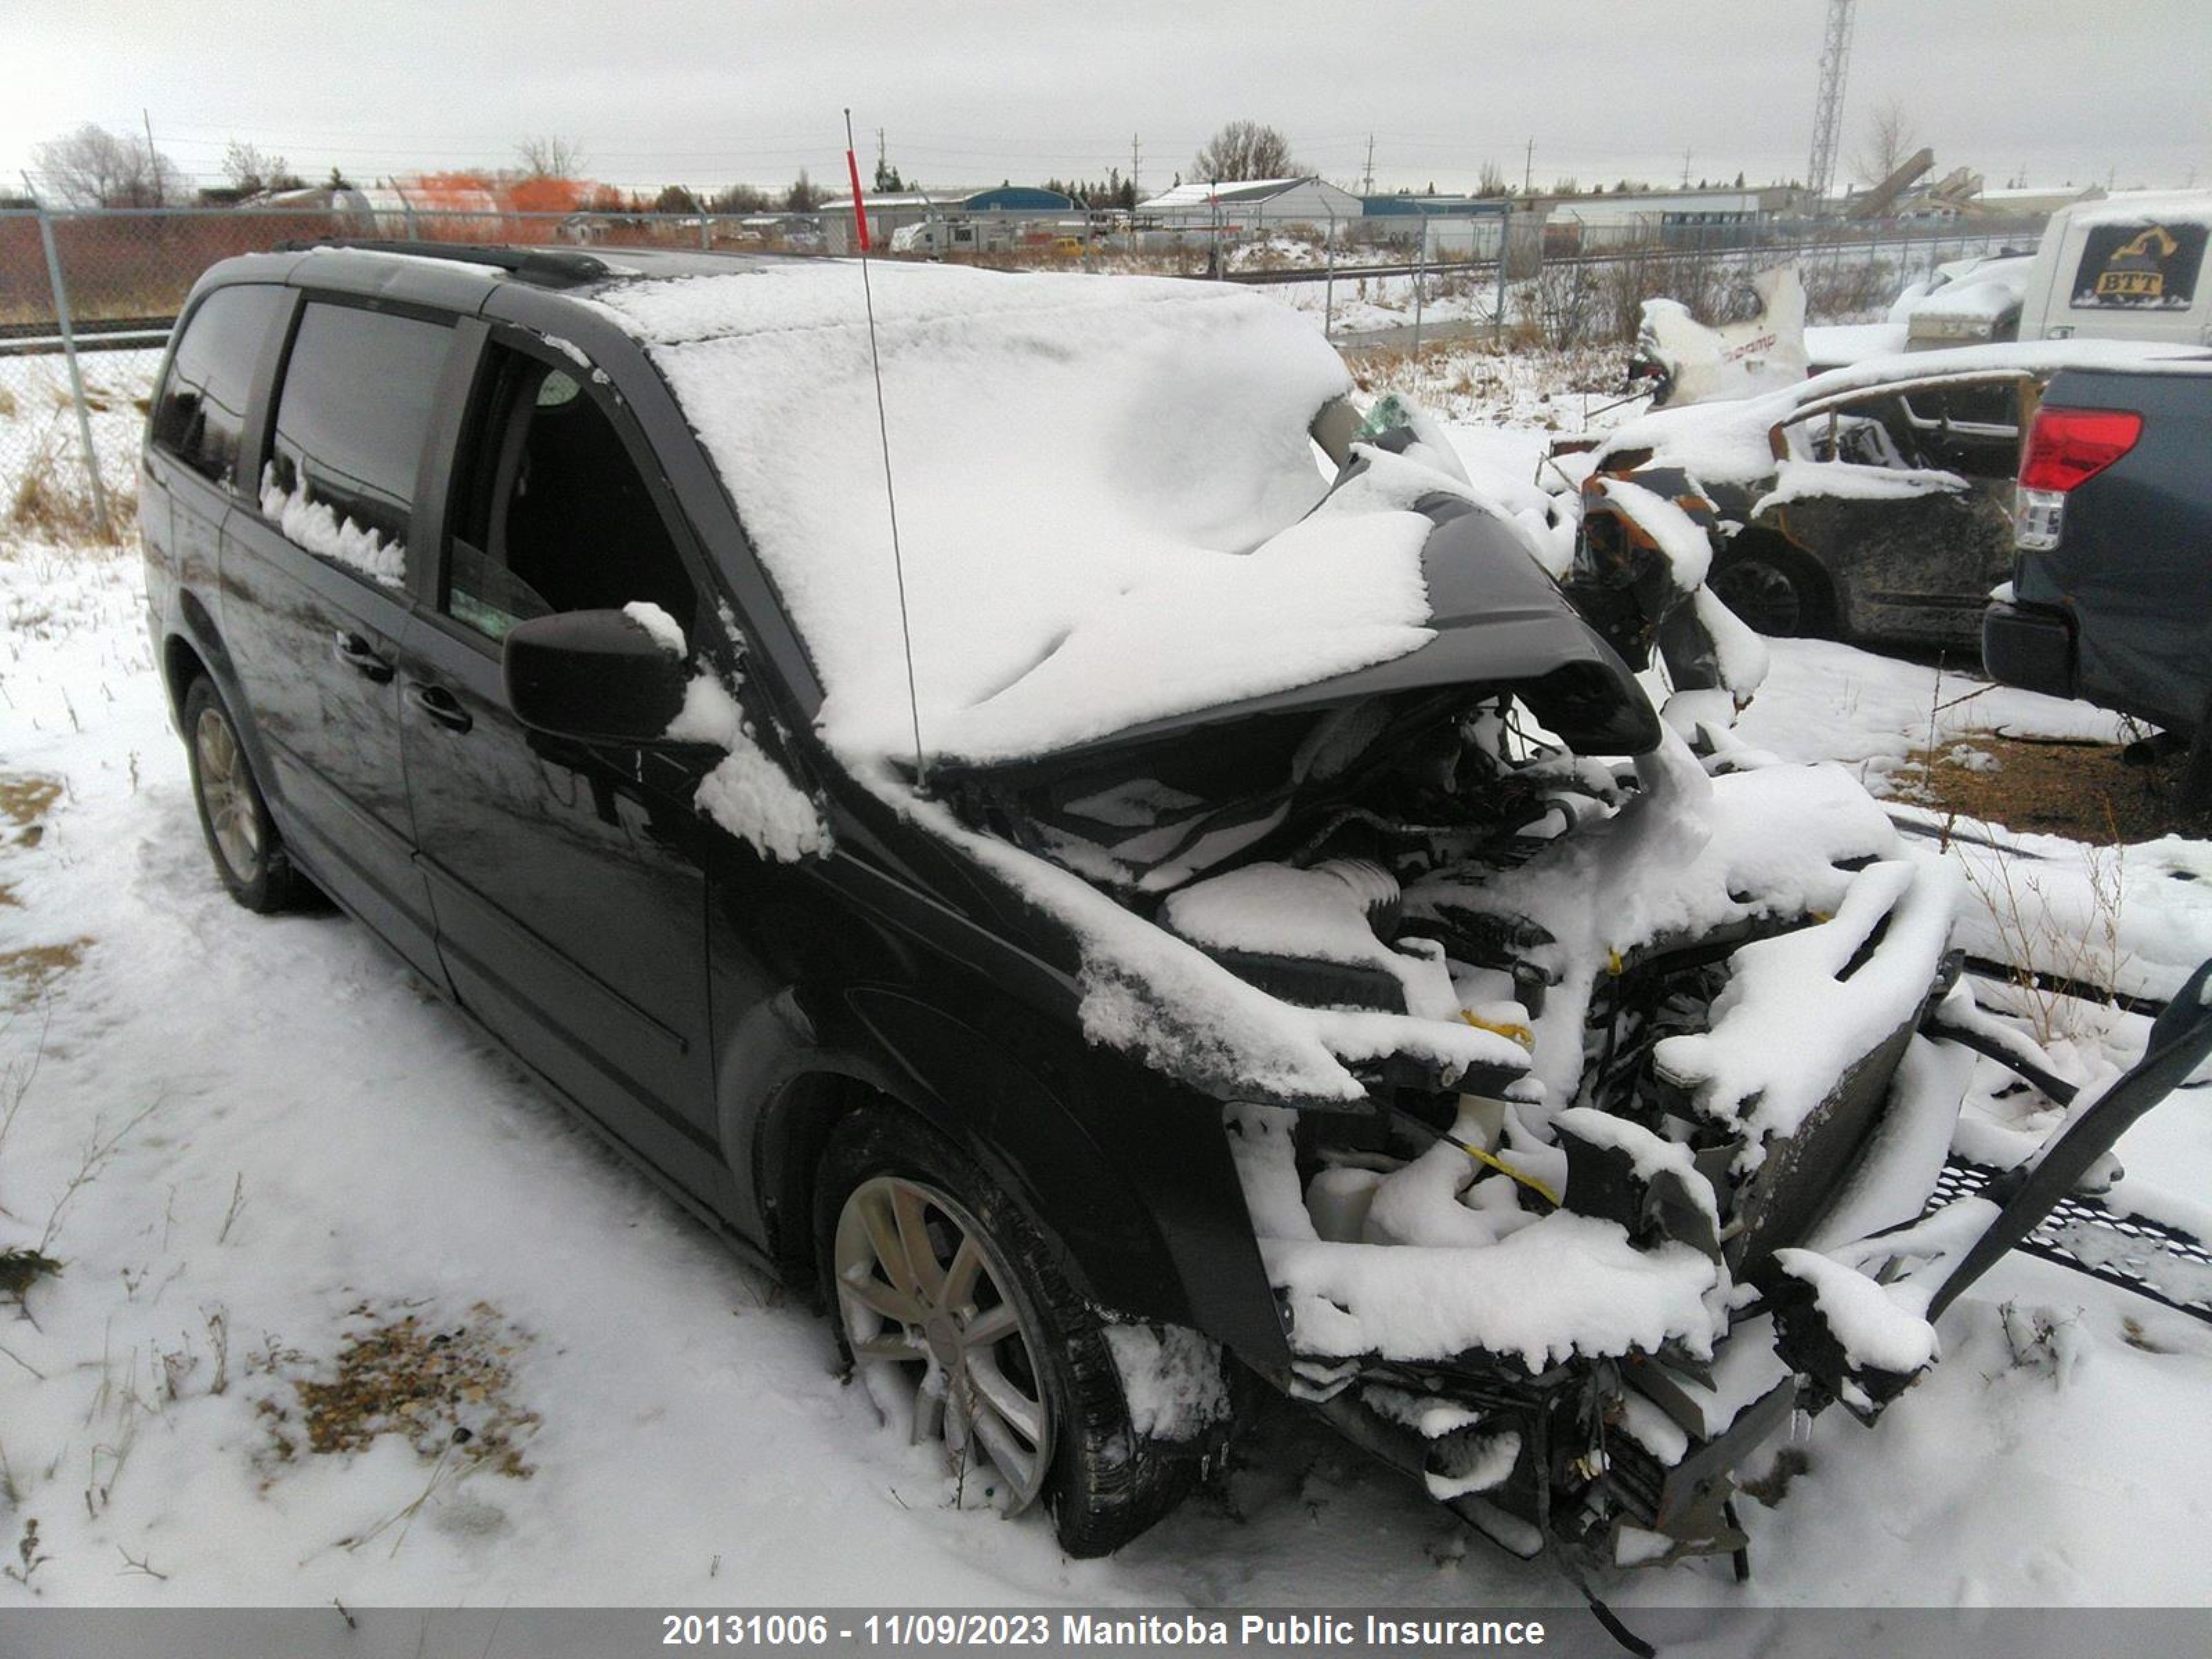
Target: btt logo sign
[[2149, 266]]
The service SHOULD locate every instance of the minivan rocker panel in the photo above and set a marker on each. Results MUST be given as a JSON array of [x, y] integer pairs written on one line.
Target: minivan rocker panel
[[1203, 903]]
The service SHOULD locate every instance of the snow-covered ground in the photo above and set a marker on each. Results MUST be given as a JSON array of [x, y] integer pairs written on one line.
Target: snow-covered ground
[[250, 1140]]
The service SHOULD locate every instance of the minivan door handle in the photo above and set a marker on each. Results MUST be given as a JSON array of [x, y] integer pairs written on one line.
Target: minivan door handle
[[357, 654], [441, 706]]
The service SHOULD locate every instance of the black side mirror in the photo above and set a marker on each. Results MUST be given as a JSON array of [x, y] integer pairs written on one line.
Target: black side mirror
[[595, 676]]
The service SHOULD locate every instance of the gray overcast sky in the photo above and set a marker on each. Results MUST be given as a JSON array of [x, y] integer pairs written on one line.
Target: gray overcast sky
[[703, 93]]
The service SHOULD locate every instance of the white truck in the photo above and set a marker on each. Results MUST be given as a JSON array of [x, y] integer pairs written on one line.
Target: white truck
[[2126, 267], [2131, 267]]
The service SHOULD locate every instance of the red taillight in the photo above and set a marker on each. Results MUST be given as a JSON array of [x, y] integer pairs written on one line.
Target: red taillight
[[2067, 447]]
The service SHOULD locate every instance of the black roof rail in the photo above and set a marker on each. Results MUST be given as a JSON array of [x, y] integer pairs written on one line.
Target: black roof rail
[[555, 267]]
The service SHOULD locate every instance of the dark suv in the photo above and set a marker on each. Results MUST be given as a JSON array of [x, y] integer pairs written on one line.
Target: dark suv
[[1190, 886]]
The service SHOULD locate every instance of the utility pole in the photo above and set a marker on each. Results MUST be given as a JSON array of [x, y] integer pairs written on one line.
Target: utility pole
[[1529, 167], [1367, 180], [1686, 169], [1136, 154], [153, 164]]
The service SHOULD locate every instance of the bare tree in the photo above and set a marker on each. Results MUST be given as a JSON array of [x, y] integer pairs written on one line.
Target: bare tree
[[252, 170], [1492, 180], [1890, 140], [740, 198], [93, 167], [551, 158], [1565, 302], [1246, 150]]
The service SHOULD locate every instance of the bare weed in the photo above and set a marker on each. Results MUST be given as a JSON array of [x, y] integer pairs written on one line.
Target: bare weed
[[52, 497], [29, 1556], [2048, 949]]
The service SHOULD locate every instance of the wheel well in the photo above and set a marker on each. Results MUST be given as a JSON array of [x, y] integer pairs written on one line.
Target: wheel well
[[1777, 549], [799, 1124], [1765, 543], [180, 667]]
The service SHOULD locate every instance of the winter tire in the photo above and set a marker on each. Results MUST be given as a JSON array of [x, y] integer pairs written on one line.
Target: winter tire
[[951, 1310], [249, 855]]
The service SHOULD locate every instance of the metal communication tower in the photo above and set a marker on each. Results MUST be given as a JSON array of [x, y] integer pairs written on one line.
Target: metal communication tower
[[1828, 113]]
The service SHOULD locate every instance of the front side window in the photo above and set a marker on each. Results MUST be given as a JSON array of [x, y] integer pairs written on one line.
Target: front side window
[[360, 390], [552, 514], [201, 412]]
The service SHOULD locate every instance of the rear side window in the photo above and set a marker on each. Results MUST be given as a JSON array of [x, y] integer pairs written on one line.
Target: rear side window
[[201, 409], [360, 389]]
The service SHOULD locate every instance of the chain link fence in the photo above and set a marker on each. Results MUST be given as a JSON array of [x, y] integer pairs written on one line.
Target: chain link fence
[[87, 296]]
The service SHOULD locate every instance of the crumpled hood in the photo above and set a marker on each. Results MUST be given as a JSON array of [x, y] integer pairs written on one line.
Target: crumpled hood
[[1494, 618]]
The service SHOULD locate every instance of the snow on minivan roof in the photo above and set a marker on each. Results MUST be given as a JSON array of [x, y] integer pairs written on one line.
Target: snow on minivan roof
[[1106, 495]]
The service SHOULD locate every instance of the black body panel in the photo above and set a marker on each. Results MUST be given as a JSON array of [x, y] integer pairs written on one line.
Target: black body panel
[[2131, 576], [711, 1008]]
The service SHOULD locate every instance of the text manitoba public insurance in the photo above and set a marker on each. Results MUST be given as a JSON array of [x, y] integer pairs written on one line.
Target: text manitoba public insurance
[[1168, 1630]]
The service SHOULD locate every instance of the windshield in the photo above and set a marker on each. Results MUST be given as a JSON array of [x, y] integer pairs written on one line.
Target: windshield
[[1105, 493]]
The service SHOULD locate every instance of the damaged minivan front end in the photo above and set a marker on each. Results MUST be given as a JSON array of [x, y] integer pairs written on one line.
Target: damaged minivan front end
[[1626, 1046], [1581, 1071]]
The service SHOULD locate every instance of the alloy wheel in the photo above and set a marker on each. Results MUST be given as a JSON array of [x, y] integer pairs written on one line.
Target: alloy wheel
[[938, 1333], [232, 817]]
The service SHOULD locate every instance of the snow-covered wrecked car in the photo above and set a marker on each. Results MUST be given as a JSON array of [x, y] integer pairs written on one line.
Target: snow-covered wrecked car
[[1872, 502], [1193, 886]]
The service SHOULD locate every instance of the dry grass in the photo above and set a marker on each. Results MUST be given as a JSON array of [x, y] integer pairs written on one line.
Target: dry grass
[[25, 798], [2085, 792], [51, 498], [444, 1389], [28, 974]]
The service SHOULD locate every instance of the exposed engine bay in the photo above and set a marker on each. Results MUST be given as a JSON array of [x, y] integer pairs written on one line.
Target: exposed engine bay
[[1637, 1030]]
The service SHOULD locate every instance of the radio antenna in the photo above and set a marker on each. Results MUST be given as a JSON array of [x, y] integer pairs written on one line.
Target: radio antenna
[[884, 433]]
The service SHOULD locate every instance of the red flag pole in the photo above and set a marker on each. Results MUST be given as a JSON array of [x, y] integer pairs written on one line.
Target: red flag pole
[[852, 170]]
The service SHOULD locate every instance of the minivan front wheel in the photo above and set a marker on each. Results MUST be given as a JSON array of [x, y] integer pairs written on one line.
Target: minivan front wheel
[[953, 1313], [934, 1322], [249, 857]]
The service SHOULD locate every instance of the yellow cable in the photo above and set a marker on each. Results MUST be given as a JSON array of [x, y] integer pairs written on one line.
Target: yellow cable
[[1505, 1168], [1520, 1034], [1527, 1039]]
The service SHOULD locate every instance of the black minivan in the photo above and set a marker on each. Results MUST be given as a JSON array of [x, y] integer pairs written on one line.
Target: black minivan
[[1179, 895]]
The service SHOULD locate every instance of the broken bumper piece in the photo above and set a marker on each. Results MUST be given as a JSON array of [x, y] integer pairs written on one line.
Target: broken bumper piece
[[1643, 1339]]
